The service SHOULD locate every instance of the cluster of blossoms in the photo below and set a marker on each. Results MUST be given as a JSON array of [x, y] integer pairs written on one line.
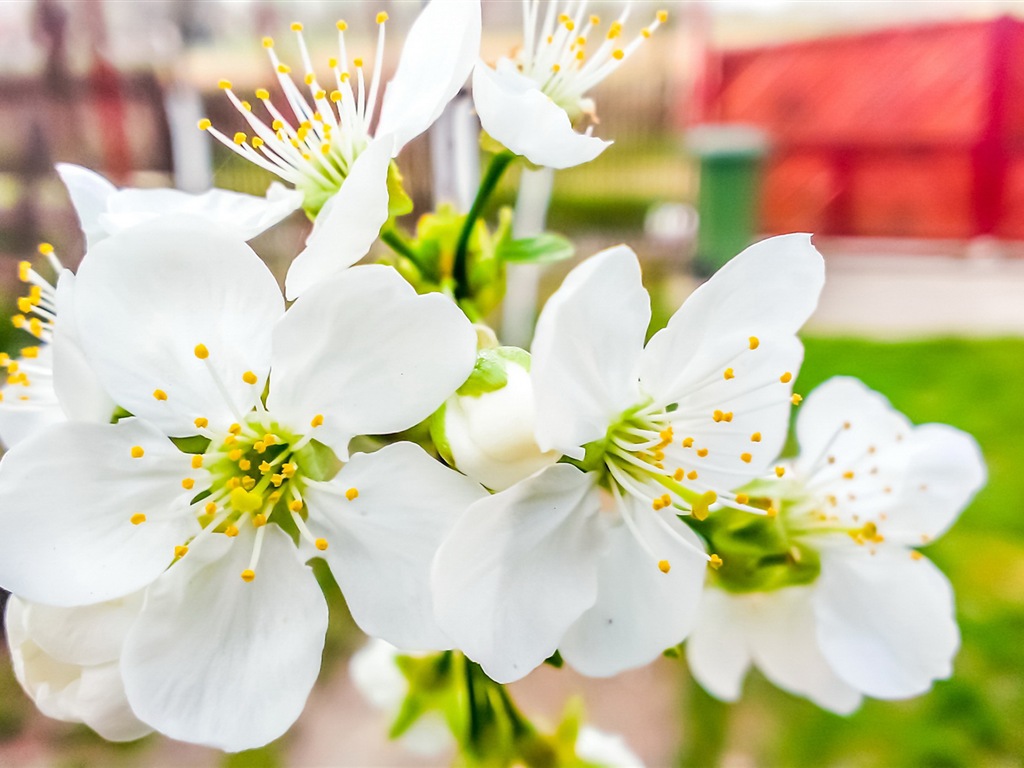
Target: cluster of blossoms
[[183, 442]]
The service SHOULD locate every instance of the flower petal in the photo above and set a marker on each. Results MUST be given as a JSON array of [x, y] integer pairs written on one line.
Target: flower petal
[[515, 112], [217, 661], [885, 620], [439, 52], [518, 569], [146, 297], [86, 635], [67, 496], [369, 354], [382, 543], [716, 649], [586, 349], [89, 195], [640, 611], [608, 750], [348, 223], [28, 409]]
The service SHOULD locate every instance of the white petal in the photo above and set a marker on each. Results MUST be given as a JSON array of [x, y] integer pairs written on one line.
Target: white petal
[[886, 621], [81, 395], [67, 496], [382, 543], [586, 349], [348, 223], [783, 642], [608, 750], [640, 611], [768, 291], [439, 52], [87, 635], [144, 299], [717, 647], [89, 195], [104, 707], [518, 569], [21, 418], [515, 112], [369, 354], [213, 660], [377, 676], [245, 216]]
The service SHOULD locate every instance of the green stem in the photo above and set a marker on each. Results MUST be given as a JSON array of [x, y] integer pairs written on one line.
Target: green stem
[[495, 170], [399, 244], [707, 721]]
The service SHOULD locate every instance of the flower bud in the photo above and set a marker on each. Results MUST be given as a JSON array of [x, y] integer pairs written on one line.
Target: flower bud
[[488, 425]]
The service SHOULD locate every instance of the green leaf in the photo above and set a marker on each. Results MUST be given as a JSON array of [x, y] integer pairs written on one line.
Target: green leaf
[[543, 249]]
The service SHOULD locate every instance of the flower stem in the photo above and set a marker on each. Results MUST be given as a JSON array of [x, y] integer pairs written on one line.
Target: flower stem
[[707, 721], [397, 242], [495, 170]]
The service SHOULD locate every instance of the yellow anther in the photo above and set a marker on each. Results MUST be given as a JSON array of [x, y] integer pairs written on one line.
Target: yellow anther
[[224, 85], [357, 62], [235, 428], [45, 249], [288, 470], [786, 377], [201, 351], [260, 446], [201, 423], [30, 353], [556, 68], [244, 465], [332, 62], [715, 562], [727, 416], [692, 474], [666, 500], [382, 17], [718, 416], [262, 94], [848, 475], [258, 521], [663, 566], [702, 452], [24, 268], [159, 394], [277, 480], [249, 377], [137, 452], [345, 77], [295, 505], [268, 42], [678, 475], [309, 78], [342, 25], [240, 138], [274, 497], [284, 69], [662, 16], [296, 26], [235, 454], [242, 500], [746, 457], [265, 467], [35, 327], [210, 508], [771, 512], [317, 420], [742, 498], [138, 518], [248, 575], [321, 94], [614, 30], [729, 374], [756, 437], [321, 544], [780, 471], [256, 142], [248, 483], [231, 531], [569, 25], [232, 483], [646, 32], [666, 435], [656, 505], [687, 442], [351, 494], [188, 483], [24, 304], [269, 439], [277, 125], [595, 20], [335, 96], [796, 399], [180, 551], [915, 555], [618, 54], [754, 342]]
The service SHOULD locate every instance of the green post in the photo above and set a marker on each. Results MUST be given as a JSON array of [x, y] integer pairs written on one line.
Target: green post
[[730, 158]]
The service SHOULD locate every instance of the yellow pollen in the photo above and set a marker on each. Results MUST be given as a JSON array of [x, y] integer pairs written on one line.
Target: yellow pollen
[[277, 125], [663, 566], [210, 508], [321, 544], [796, 399], [288, 470], [239, 138], [233, 483], [277, 480], [692, 474], [702, 452], [296, 26], [335, 96], [258, 521], [848, 475], [780, 471], [342, 26], [18, 321], [656, 505], [235, 454], [309, 78], [742, 498], [915, 555], [756, 437], [249, 377], [317, 420], [224, 85], [268, 42], [24, 305], [678, 475], [201, 351], [595, 20], [35, 327], [618, 54], [24, 267], [201, 423], [645, 32], [234, 429], [295, 506], [244, 465], [245, 501], [274, 497], [269, 439], [662, 17], [138, 518], [351, 494], [729, 374], [137, 452], [570, 26], [746, 458], [345, 77], [265, 467], [188, 483], [715, 562], [718, 416], [180, 551], [556, 68], [357, 62], [262, 94], [284, 69], [260, 446], [45, 249], [614, 30], [754, 342], [30, 352], [382, 17], [687, 442], [159, 394], [248, 483], [231, 531], [771, 512], [248, 575], [786, 377], [727, 416], [256, 142]]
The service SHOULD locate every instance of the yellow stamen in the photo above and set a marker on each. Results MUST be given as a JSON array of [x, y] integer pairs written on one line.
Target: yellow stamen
[[138, 518], [317, 420], [321, 544], [742, 498], [780, 471], [201, 351], [351, 494], [45, 249], [715, 562], [180, 550], [137, 452], [201, 423], [729, 374], [159, 394], [224, 85], [249, 377], [664, 566], [296, 26], [756, 437], [188, 483], [248, 575], [796, 399], [231, 531], [746, 458], [295, 505], [786, 377], [382, 17]]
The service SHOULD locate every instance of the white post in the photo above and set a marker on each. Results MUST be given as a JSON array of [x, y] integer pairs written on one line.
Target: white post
[[455, 154]]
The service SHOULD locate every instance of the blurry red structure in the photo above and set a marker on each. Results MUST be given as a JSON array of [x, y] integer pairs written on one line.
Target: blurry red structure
[[913, 132]]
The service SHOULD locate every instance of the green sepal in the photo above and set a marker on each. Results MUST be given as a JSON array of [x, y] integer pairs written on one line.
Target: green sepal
[[489, 372], [555, 660], [399, 202], [318, 462], [193, 444], [439, 437], [314, 199], [545, 248]]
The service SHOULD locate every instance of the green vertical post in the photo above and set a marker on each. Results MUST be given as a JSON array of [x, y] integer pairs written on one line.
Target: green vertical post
[[730, 158]]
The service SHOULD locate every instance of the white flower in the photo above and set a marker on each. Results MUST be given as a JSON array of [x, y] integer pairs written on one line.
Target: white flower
[[878, 620], [103, 209], [530, 104], [489, 435], [607, 750], [183, 325], [67, 661], [663, 430]]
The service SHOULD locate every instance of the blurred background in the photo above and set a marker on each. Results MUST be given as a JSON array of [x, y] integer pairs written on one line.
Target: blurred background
[[892, 131]]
